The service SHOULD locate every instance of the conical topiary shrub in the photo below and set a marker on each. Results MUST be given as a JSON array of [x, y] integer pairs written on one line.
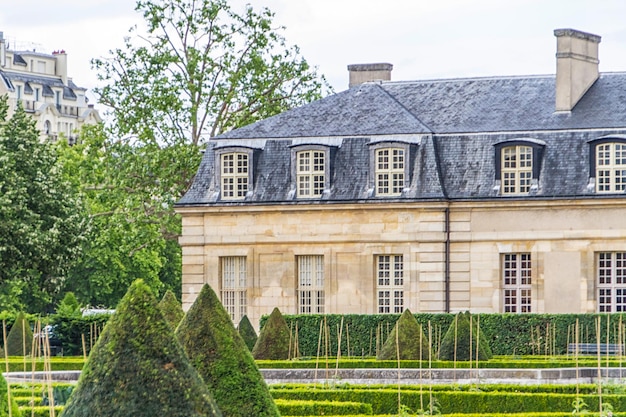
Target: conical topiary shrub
[[4, 401], [138, 368], [462, 345], [220, 355], [247, 332], [20, 338], [410, 335], [273, 341], [171, 309]]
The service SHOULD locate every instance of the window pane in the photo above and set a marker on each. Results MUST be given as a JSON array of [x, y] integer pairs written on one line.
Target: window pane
[[517, 280], [389, 175], [611, 281], [311, 283], [234, 175], [390, 283], [516, 169], [310, 178], [234, 286]]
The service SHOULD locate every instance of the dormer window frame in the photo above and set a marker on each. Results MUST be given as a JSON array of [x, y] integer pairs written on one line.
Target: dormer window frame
[[516, 177], [384, 187], [305, 171], [611, 181], [231, 192]]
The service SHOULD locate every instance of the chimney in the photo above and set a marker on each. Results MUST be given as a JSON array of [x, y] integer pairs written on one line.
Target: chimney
[[362, 73], [60, 68], [576, 66]]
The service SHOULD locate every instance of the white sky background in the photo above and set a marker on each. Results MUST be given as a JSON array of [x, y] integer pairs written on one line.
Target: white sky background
[[423, 39]]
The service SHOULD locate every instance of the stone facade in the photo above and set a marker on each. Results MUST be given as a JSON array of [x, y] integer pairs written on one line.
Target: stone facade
[[458, 232]]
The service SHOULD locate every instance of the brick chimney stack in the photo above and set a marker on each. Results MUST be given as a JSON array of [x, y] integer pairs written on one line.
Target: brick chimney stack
[[362, 73], [576, 66]]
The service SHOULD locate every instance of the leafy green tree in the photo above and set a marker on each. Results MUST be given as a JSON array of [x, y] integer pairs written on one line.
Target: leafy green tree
[[138, 368], [247, 332], [125, 240], [410, 341], [20, 338], [223, 360], [171, 308], [274, 338], [69, 306], [42, 223], [199, 69]]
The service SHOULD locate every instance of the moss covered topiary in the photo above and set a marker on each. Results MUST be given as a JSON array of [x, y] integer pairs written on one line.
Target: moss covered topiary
[[20, 338], [4, 401], [138, 368], [171, 309], [220, 355], [274, 339], [460, 330], [410, 335], [247, 332]]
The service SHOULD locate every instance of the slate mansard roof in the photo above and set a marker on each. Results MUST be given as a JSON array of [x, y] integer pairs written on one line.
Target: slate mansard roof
[[451, 127]]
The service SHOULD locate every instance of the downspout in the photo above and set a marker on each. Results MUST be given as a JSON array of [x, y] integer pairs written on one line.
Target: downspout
[[447, 258], [446, 213]]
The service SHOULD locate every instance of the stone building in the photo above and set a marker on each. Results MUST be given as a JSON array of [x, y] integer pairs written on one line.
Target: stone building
[[498, 194], [39, 81]]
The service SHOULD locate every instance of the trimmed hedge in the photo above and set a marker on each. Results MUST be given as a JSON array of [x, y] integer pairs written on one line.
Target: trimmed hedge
[[171, 308], [138, 367], [4, 401], [223, 360], [20, 338], [412, 343], [385, 400], [507, 334], [322, 408], [275, 338], [247, 332]]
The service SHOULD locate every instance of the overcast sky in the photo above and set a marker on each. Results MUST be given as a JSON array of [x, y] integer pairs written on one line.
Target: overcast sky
[[423, 39]]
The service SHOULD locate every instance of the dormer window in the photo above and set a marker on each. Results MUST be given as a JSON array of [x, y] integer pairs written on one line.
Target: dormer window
[[310, 173], [517, 169], [235, 172], [610, 167], [518, 163], [390, 164]]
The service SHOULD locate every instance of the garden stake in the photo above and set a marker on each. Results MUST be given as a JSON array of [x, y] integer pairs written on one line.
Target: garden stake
[[6, 362], [456, 341], [339, 348], [319, 344], [290, 340], [398, 357], [599, 382]]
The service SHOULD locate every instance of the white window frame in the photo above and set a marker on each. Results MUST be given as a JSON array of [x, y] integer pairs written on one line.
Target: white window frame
[[310, 173], [234, 175], [610, 167], [234, 286], [311, 293], [389, 171], [611, 282], [390, 284], [517, 169], [517, 282]]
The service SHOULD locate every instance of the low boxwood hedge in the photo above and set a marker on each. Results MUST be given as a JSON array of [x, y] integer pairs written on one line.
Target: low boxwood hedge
[[385, 401], [322, 408]]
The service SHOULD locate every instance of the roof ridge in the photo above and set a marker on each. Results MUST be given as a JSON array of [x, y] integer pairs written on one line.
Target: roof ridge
[[392, 97]]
